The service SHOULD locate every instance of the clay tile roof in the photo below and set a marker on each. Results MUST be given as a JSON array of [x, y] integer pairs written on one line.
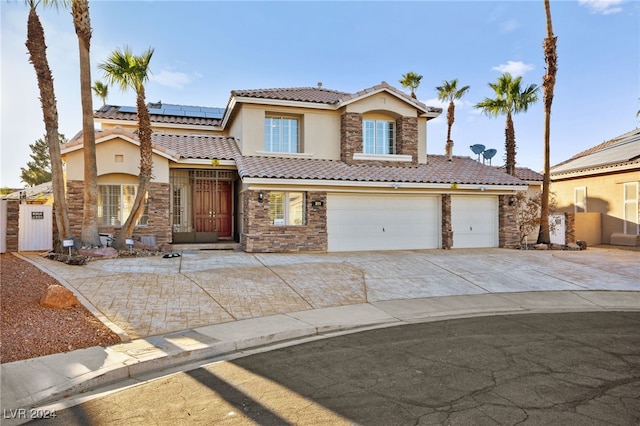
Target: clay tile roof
[[524, 173], [623, 150], [197, 146], [462, 170], [302, 94]]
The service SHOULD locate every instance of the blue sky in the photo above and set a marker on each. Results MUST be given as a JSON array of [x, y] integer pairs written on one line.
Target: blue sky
[[205, 49]]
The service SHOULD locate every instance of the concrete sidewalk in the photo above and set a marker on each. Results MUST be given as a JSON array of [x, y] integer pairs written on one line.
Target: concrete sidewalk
[[212, 304]]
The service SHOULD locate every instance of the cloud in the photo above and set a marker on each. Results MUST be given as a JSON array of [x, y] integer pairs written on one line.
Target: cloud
[[602, 7], [509, 26], [515, 68], [175, 80]]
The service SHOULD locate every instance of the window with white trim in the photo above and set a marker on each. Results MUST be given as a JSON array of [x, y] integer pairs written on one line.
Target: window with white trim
[[115, 203], [580, 199], [379, 137], [281, 134], [631, 220], [287, 208]]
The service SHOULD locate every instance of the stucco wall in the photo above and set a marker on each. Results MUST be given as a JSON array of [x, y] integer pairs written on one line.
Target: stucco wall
[[604, 195], [116, 156], [587, 228]]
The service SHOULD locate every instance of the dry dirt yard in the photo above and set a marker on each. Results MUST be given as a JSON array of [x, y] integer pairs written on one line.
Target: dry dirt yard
[[28, 330]]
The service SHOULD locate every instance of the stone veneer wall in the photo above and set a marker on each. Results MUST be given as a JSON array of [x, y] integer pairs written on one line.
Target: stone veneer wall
[[260, 236], [158, 224], [351, 140], [13, 211], [447, 230], [407, 138], [350, 136], [570, 228], [508, 235]]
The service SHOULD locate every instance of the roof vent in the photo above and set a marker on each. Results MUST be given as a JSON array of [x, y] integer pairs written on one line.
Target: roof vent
[[319, 84]]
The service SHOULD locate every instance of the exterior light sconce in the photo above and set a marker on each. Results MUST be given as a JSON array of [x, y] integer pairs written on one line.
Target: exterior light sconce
[[512, 200], [395, 185], [260, 197]]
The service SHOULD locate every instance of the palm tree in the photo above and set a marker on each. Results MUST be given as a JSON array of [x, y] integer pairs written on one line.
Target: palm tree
[[449, 92], [82, 23], [38, 57], [548, 83], [126, 70], [510, 99], [411, 81], [101, 90]]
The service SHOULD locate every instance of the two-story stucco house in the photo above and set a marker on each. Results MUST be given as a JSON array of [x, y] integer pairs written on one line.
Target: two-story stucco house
[[298, 169]]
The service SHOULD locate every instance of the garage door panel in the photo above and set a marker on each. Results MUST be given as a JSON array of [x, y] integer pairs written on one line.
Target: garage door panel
[[382, 222], [474, 221]]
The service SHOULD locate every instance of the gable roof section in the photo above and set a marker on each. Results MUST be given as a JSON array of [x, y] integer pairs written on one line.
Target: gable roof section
[[299, 94], [462, 170], [320, 95], [197, 146], [620, 153]]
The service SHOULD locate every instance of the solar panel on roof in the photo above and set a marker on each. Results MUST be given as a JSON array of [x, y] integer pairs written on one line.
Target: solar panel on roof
[[158, 111], [213, 115], [127, 109]]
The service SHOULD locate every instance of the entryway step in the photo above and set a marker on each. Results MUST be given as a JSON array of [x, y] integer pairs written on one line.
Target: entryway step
[[221, 245]]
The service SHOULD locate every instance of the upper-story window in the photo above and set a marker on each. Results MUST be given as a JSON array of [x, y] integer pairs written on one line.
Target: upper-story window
[[281, 134], [379, 137]]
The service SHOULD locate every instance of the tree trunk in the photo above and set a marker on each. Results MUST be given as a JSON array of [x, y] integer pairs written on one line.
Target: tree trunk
[[146, 166], [548, 83], [510, 145], [81, 20], [38, 57]]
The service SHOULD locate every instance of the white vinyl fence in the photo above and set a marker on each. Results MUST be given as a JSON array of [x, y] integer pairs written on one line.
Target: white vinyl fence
[[3, 226], [35, 224]]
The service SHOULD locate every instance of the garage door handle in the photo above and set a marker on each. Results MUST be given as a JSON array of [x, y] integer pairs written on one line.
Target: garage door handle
[[471, 228]]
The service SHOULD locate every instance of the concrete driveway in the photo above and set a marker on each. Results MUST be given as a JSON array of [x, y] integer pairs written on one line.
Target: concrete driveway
[[151, 296]]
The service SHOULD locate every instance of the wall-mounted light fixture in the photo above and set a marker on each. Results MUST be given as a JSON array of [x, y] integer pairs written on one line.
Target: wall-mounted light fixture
[[512, 200], [260, 197], [395, 185]]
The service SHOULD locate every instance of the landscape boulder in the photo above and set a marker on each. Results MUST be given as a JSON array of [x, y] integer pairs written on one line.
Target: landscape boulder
[[99, 253], [57, 296]]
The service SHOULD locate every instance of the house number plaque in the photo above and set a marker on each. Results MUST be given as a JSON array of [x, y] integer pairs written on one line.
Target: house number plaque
[[37, 215]]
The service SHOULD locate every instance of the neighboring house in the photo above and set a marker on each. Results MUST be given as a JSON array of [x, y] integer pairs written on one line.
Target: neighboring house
[[602, 186], [297, 169], [38, 194]]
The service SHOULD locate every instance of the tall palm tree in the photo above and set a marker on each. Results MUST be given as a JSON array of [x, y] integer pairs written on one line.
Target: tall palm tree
[[101, 90], [449, 92], [411, 81], [82, 23], [126, 70], [510, 99], [38, 57], [548, 83]]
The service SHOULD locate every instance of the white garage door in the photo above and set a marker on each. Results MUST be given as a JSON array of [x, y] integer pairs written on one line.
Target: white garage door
[[474, 221], [382, 222]]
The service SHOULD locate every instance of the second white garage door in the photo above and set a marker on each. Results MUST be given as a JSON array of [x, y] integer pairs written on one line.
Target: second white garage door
[[382, 222], [474, 221]]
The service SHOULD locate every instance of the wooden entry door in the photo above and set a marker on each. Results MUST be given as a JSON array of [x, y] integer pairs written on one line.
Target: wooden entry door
[[212, 207]]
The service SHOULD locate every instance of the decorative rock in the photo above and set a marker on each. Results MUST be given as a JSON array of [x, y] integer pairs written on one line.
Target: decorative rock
[[582, 244], [541, 247], [99, 253], [57, 296], [573, 246]]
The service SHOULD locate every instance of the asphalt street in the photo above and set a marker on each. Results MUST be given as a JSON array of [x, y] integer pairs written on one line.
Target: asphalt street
[[525, 369]]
